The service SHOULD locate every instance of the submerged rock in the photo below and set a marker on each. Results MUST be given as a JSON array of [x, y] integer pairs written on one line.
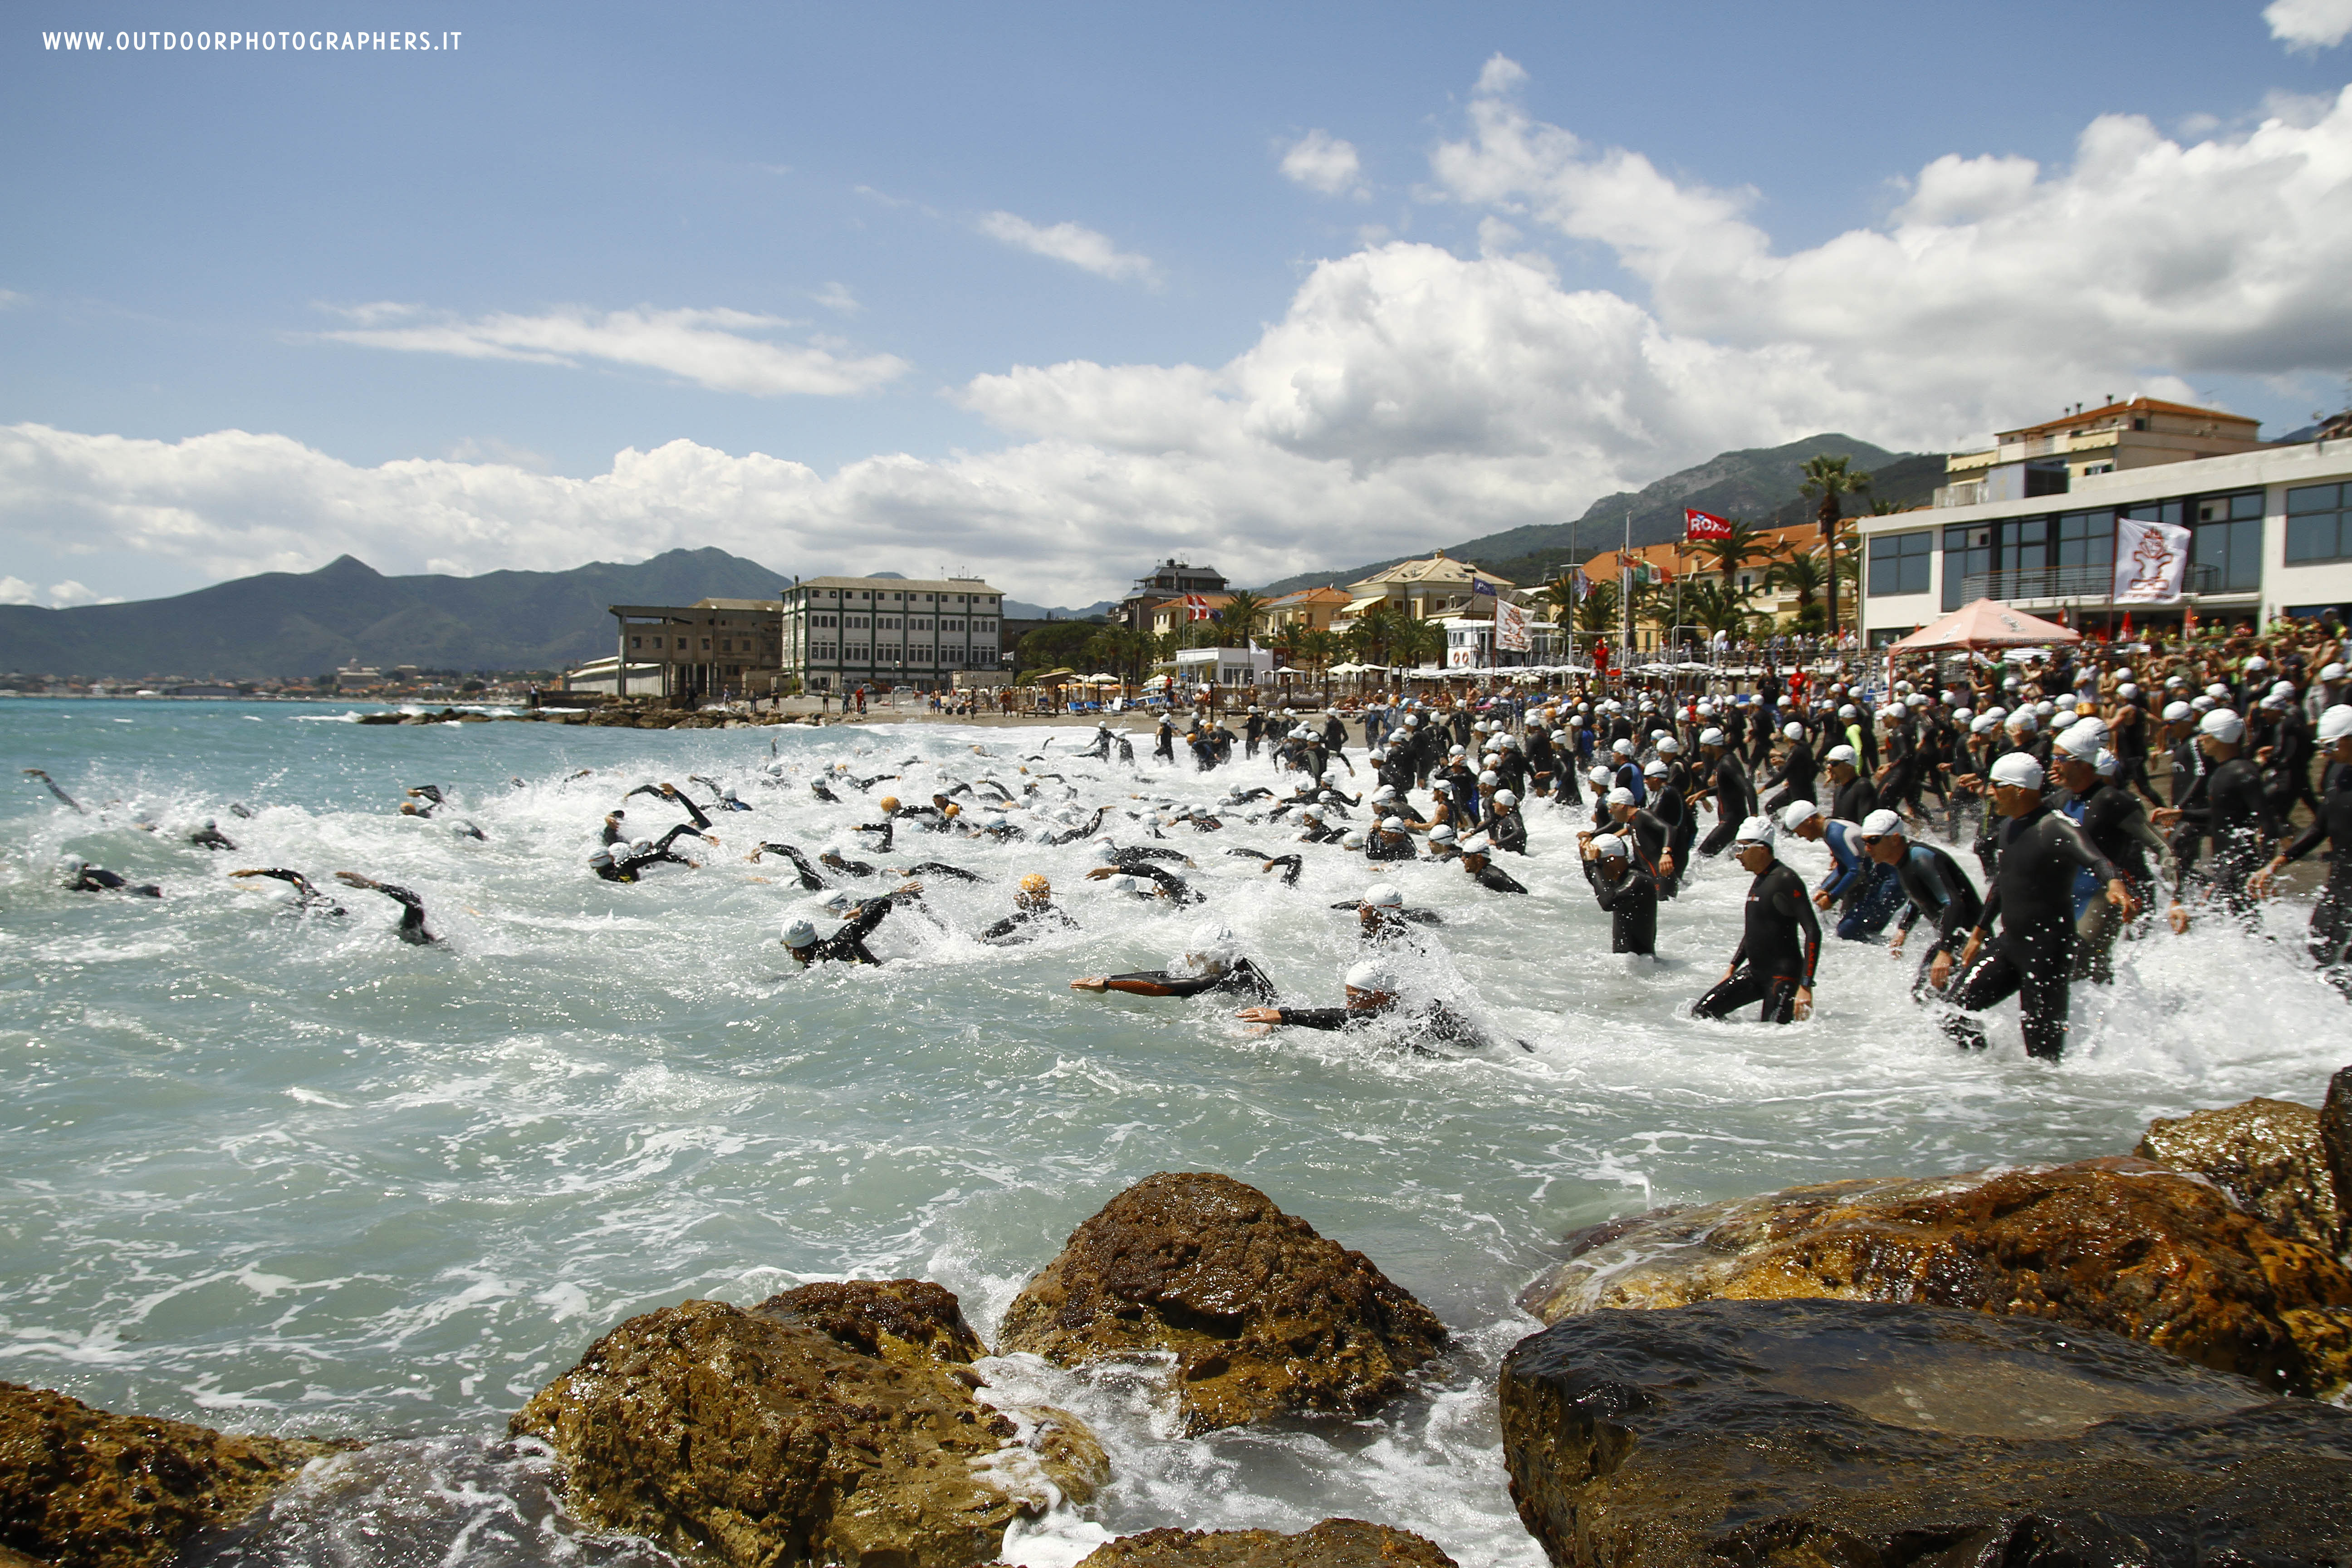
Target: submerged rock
[[2120, 1244], [1334, 1543], [1879, 1435], [764, 1438], [88, 1489], [2265, 1153], [1263, 1316]]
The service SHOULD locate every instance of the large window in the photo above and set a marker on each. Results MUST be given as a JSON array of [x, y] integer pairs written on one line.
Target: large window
[[2087, 539], [1898, 561], [2318, 526], [1967, 552], [2229, 541]]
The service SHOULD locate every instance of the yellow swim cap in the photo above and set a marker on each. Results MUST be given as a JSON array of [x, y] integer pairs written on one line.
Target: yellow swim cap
[[889, 803], [1034, 883]]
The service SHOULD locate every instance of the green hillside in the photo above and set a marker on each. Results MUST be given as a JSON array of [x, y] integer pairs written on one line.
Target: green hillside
[[1756, 485], [299, 624]]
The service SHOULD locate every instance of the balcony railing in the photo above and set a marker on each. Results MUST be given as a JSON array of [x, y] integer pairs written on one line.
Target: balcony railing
[[2081, 584], [1968, 492]]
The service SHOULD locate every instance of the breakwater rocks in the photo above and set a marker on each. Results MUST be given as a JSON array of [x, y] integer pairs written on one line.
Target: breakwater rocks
[[1334, 1543], [1262, 1316], [837, 1424], [1884, 1435], [85, 1488]]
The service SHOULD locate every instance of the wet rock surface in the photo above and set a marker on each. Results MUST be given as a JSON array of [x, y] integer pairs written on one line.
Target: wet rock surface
[[2118, 1245], [895, 1320], [2336, 1146], [1334, 1543], [1263, 1316], [763, 1440], [2266, 1154], [1876, 1435], [88, 1489]]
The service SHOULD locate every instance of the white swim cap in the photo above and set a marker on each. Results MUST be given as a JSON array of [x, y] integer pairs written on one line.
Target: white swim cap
[[1668, 745], [2174, 712], [1838, 754], [2331, 672], [1621, 796], [2082, 743], [1442, 834], [1755, 830], [1881, 823], [1798, 814], [1623, 748], [1373, 976], [1211, 939], [1848, 711], [1610, 847], [1490, 777], [1656, 768], [1475, 845], [1963, 715], [1505, 797], [1351, 839], [2018, 768], [2127, 691], [1710, 737], [1793, 730], [1384, 896], [2107, 765], [1391, 825], [2336, 723], [799, 933], [2223, 725]]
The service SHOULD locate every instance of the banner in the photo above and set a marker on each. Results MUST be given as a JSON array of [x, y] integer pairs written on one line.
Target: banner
[[1511, 629], [1196, 608], [1699, 525], [1480, 585], [1583, 586], [2151, 559]]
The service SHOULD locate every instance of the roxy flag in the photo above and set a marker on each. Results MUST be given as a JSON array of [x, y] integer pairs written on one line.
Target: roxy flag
[[1699, 524]]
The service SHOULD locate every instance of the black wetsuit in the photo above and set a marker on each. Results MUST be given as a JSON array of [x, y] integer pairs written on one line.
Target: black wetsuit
[[2033, 898], [1799, 773], [1632, 900], [1494, 880], [1935, 886], [2331, 917], [848, 945], [307, 897], [1239, 978], [1432, 1021], [1385, 845], [1780, 943], [1734, 801], [1855, 799], [95, 880], [412, 914], [2236, 815], [211, 838], [1506, 830], [1025, 925], [629, 867]]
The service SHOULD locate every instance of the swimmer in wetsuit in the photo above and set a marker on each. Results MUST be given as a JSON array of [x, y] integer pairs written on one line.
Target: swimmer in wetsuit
[[82, 877], [677, 797], [1779, 942], [1372, 998], [631, 865], [1485, 872], [412, 908], [1034, 911], [846, 945], [1933, 885], [1382, 917], [210, 836], [1627, 892], [1212, 962], [2331, 915], [809, 879], [306, 898], [52, 787]]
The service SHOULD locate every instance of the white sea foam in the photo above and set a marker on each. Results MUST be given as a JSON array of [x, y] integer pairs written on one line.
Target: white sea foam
[[284, 1173]]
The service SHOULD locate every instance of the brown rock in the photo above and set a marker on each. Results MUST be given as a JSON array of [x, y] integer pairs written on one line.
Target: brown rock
[[2336, 1143], [1263, 1316], [2265, 1153], [1334, 1543], [895, 1320], [85, 1488], [761, 1442], [2121, 1245]]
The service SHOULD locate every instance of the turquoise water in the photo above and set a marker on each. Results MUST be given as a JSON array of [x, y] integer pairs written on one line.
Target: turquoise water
[[281, 1174]]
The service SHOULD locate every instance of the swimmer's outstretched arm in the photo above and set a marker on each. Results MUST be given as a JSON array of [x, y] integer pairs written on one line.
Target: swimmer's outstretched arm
[[52, 783]]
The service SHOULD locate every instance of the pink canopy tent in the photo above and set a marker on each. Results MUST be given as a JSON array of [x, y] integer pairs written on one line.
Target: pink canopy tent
[[1985, 624]]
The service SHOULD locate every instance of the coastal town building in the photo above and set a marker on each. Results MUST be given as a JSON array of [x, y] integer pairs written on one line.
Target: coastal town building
[[713, 647], [1425, 590], [1309, 609], [1175, 615], [2268, 533], [1170, 581], [1678, 561], [839, 633], [2114, 437]]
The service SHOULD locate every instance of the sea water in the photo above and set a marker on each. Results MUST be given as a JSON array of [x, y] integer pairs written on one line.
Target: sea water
[[288, 1174]]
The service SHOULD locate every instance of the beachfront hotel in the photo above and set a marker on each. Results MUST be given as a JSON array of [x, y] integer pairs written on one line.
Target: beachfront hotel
[[840, 633]]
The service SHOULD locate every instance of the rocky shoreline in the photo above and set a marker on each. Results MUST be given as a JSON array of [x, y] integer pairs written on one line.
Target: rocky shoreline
[[2122, 1361]]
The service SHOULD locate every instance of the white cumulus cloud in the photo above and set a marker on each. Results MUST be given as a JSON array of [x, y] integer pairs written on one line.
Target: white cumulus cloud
[[1080, 246], [2309, 24], [16, 590], [1322, 161], [718, 348], [66, 595]]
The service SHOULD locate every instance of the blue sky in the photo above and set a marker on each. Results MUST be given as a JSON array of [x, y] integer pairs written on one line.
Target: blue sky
[[1041, 291]]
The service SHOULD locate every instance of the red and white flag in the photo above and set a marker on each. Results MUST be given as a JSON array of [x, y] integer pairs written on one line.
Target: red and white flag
[[1196, 608], [1699, 524]]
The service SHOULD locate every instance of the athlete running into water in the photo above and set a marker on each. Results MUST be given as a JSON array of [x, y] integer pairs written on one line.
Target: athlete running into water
[[1779, 942], [412, 908]]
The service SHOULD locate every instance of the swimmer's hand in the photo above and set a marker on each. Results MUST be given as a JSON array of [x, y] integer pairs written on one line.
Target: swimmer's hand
[[1822, 899], [1939, 970], [2119, 894], [353, 879], [1804, 1003], [1260, 1015], [1091, 983], [2179, 917]]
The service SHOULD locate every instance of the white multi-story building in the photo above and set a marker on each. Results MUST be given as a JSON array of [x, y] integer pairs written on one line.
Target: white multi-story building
[[843, 632], [2271, 532]]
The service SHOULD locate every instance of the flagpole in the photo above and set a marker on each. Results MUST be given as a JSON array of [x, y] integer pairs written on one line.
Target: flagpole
[[1625, 593]]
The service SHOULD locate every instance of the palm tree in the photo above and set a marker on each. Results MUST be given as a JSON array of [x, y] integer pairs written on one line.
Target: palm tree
[[1236, 622], [1718, 607], [1598, 612], [1745, 544], [1804, 575], [1317, 647], [1558, 596], [1833, 479], [1417, 643]]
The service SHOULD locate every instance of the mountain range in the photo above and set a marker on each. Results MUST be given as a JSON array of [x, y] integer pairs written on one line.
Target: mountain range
[[1759, 485], [308, 623]]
